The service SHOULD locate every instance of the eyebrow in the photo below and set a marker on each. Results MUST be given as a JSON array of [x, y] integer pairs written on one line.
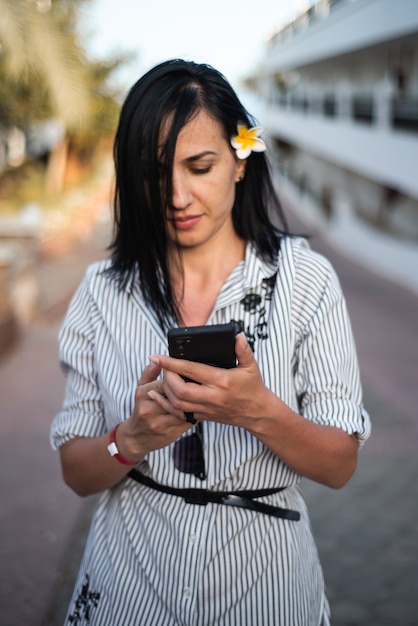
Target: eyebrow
[[201, 155]]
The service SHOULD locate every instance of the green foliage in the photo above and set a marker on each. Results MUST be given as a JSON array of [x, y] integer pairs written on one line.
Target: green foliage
[[45, 71], [23, 101]]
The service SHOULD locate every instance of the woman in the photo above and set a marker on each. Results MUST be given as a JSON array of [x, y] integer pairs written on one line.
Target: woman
[[195, 245]]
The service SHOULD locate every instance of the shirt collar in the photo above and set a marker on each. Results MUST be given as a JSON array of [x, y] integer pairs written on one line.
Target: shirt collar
[[257, 269], [247, 276]]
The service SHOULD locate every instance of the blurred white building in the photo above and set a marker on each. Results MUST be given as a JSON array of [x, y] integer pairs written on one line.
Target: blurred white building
[[340, 93]]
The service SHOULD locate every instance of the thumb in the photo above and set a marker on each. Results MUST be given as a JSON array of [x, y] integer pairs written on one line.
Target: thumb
[[150, 373], [243, 351]]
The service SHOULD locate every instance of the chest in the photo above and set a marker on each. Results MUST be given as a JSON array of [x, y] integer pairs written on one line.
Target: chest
[[197, 306], [261, 313]]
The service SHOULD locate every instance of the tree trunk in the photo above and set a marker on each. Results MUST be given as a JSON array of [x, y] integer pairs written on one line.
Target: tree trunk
[[55, 171]]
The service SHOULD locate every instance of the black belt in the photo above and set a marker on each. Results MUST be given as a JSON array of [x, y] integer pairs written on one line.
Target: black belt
[[242, 499]]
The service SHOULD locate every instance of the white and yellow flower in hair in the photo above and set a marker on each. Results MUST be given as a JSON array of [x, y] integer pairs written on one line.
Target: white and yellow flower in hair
[[247, 140]]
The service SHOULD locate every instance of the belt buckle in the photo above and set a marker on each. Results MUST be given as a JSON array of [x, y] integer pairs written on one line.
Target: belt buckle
[[196, 497]]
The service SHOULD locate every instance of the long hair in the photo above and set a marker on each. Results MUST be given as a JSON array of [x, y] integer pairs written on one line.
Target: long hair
[[165, 99]]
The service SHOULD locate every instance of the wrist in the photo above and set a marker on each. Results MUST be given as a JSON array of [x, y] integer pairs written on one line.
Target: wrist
[[270, 415], [115, 452]]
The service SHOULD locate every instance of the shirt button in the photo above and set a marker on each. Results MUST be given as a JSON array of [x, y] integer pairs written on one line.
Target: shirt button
[[187, 592], [193, 538]]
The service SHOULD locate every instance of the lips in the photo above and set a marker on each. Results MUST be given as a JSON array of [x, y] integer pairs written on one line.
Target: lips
[[186, 222]]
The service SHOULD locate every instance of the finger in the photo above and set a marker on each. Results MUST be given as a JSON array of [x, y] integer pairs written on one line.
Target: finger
[[165, 404], [189, 371], [245, 356], [150, 373]]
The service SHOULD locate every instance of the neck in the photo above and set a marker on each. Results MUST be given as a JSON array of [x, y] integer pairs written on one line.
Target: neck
[[204, 273], [208, 263]]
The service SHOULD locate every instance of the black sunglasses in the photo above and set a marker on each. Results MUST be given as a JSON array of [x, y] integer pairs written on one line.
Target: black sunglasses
[[188, 454]]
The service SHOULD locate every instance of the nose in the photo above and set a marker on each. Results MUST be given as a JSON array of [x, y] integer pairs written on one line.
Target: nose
[[182, 196]]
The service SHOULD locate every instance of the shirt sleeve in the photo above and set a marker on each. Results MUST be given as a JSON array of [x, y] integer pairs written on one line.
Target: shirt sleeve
[[326, 369], [82, 412]]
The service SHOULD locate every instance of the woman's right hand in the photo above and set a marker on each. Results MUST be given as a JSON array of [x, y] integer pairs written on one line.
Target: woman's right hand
[[149, 427], [87, 466]]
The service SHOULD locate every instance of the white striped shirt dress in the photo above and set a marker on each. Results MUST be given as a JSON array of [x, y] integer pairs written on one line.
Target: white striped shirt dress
[[153, 559]]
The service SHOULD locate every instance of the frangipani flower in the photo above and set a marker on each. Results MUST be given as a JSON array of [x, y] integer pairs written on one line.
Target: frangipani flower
[[247, 140]]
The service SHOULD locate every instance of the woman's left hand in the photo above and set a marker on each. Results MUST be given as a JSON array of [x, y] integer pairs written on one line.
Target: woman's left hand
[[239, 397], [234, 396]]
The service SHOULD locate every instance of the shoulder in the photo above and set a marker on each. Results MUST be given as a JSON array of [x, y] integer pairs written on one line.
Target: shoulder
[[298, 250], [309, 281], [94, 289], [98, 280], [97, 272], [309, 269]]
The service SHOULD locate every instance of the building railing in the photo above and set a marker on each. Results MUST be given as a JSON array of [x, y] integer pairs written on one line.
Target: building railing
[[321, 9], [403, 112]]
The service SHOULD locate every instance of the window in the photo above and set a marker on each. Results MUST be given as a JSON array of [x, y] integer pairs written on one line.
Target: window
[[363, 109], [330, 105], [405, 114]]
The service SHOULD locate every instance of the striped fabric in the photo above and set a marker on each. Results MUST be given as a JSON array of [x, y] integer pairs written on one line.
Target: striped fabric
[[152, 559]]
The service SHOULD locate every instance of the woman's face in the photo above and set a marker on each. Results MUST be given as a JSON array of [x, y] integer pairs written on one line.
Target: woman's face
[[205, 172]]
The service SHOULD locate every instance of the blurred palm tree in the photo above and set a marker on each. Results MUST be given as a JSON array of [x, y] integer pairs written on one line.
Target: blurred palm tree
[[37, 42], [46, 72]]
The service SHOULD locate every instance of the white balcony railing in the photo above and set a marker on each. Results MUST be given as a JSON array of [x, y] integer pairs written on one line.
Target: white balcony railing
[[385, 155]]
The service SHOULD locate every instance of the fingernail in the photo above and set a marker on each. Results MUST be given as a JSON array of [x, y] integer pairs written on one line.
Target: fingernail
[[154, 360]]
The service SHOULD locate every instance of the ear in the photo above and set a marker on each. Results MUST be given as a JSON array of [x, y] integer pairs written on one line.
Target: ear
[[240, 170]]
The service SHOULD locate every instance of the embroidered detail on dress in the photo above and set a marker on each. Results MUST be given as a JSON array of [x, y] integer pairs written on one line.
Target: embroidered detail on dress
[[84, 603], [255, 304]]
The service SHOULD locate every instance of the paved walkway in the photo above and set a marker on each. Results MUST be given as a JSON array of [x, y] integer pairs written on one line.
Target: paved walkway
[[366, 533], [42, 522]]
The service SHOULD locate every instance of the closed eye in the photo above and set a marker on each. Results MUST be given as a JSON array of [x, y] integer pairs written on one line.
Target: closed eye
[[201, 170], [201, 163]]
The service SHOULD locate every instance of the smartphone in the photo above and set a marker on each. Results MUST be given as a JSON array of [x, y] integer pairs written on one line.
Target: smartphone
[[213, 345]]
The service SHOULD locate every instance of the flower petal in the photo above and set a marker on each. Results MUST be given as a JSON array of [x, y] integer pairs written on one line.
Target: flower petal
[[242, 130], [257, 130], [259, 145], [243, 153]]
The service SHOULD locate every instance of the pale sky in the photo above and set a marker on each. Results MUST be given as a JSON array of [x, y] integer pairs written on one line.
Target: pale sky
[[228, 34]]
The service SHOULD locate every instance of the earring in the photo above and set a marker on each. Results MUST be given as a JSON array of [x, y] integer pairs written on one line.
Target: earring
[[239, 179]]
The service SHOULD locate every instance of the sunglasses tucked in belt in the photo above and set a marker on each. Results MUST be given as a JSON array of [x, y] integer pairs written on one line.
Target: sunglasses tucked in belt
[[188, 454], [188, 457]]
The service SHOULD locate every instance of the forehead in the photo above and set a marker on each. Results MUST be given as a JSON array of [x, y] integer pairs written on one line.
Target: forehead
[[201, 129], [201, 133]]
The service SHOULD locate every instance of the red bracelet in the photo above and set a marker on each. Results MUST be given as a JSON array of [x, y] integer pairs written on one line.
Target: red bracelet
[[113, 449]]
